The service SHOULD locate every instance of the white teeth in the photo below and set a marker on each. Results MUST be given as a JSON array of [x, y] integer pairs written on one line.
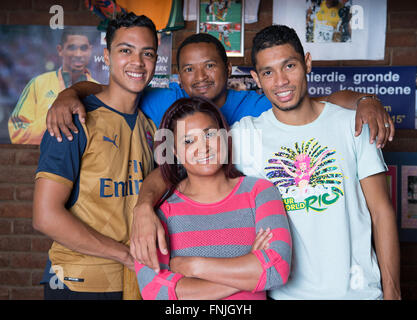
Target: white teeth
[[206, 159], [135, 75], [283, 94]]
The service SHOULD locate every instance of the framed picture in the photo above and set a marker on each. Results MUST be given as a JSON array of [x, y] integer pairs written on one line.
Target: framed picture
[[409, 197], [224, 20], [402, 172]]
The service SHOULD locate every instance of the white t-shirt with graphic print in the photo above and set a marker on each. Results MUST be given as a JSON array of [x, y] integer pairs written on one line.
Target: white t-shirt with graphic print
[[317, 168]]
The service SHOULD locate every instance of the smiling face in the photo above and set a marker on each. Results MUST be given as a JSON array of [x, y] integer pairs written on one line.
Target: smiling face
[[199, 145], [132, 58], [281, 73], [203, 73], [75, 53]]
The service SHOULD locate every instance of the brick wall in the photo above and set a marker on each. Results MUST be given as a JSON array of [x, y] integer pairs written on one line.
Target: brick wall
[[23, 250]]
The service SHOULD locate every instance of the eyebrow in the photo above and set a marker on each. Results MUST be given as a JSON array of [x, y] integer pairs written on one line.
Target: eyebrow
[[190, 64], [282, 63], [204, 130], [132, 46]]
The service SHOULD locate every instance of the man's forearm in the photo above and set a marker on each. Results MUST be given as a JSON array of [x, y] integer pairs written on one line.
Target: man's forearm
[[345, 98], [388, 253], [83, 89], [152, 189]]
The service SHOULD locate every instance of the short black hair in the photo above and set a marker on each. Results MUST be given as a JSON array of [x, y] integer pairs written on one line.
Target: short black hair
[[275, 35], [203, 37], [127, 20], [74, 31]]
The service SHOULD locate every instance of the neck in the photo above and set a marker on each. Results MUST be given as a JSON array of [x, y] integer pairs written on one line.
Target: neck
[[221, 100], [75, 74], [121, 100], [207, 189], [307, 111]]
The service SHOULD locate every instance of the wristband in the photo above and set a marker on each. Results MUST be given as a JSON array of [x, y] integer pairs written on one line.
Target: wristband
[[369, 96]]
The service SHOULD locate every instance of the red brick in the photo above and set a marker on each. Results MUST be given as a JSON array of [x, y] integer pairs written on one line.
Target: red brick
[[7, 156], [4, 260], [15, 210], [5, 226], [6, 192], [14, 244], [408, 253], [4, 293], [25, 192], [401, 39], [67, 5], [27, 157], [24, 227], [404, 57], [16, 5], [17, 174], [15, 278], [403, 20], [28, 17], [3, 17], [31, 293], [408, 273], [402, 5], [409, 291], [41, 244], [37, 276], [28, 260], [81, 18]]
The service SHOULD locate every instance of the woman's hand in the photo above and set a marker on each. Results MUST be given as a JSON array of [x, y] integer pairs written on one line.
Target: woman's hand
[[262, 240]]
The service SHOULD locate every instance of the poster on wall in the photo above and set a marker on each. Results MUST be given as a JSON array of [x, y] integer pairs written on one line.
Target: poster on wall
[[223, 20], [336, 29], [409, 197], [402, 167], [37, 62], [395, 86]]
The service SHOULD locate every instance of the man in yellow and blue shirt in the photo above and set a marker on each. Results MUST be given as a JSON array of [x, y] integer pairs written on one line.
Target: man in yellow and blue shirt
[[27, 121]]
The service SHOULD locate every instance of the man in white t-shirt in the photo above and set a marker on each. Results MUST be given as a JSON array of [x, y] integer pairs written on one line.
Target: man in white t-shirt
[[333, 183]]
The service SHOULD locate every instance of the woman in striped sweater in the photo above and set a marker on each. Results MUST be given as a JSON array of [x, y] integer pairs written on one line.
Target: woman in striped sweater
[[228, 234]]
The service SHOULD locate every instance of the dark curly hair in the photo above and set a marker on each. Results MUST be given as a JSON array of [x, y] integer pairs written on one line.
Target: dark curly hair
[[128, 20], [276, 35], [203, 37]]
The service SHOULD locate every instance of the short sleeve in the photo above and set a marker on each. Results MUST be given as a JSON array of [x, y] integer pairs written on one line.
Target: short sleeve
[[247, 148], [369, 158], [60, 161]]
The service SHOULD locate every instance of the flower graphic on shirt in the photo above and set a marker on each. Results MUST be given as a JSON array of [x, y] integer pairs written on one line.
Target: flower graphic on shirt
[[306, 164]]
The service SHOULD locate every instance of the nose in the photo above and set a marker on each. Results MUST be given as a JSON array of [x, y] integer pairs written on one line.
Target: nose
[[138, 59], [281, 79], [202, 147], [200, 74]]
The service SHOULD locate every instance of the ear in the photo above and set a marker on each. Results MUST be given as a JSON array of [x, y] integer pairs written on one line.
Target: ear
[[308, 62], [229, 69], [106, 55], [59, 48], [255, 77]]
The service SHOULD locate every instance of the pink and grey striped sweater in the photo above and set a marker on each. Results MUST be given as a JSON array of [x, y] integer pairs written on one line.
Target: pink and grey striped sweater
[[223, 229]]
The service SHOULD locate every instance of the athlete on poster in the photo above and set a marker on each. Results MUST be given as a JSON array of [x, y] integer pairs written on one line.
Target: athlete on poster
[[224, 20]]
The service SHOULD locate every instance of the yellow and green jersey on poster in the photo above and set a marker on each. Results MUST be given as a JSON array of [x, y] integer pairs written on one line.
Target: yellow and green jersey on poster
[[27, 122]]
